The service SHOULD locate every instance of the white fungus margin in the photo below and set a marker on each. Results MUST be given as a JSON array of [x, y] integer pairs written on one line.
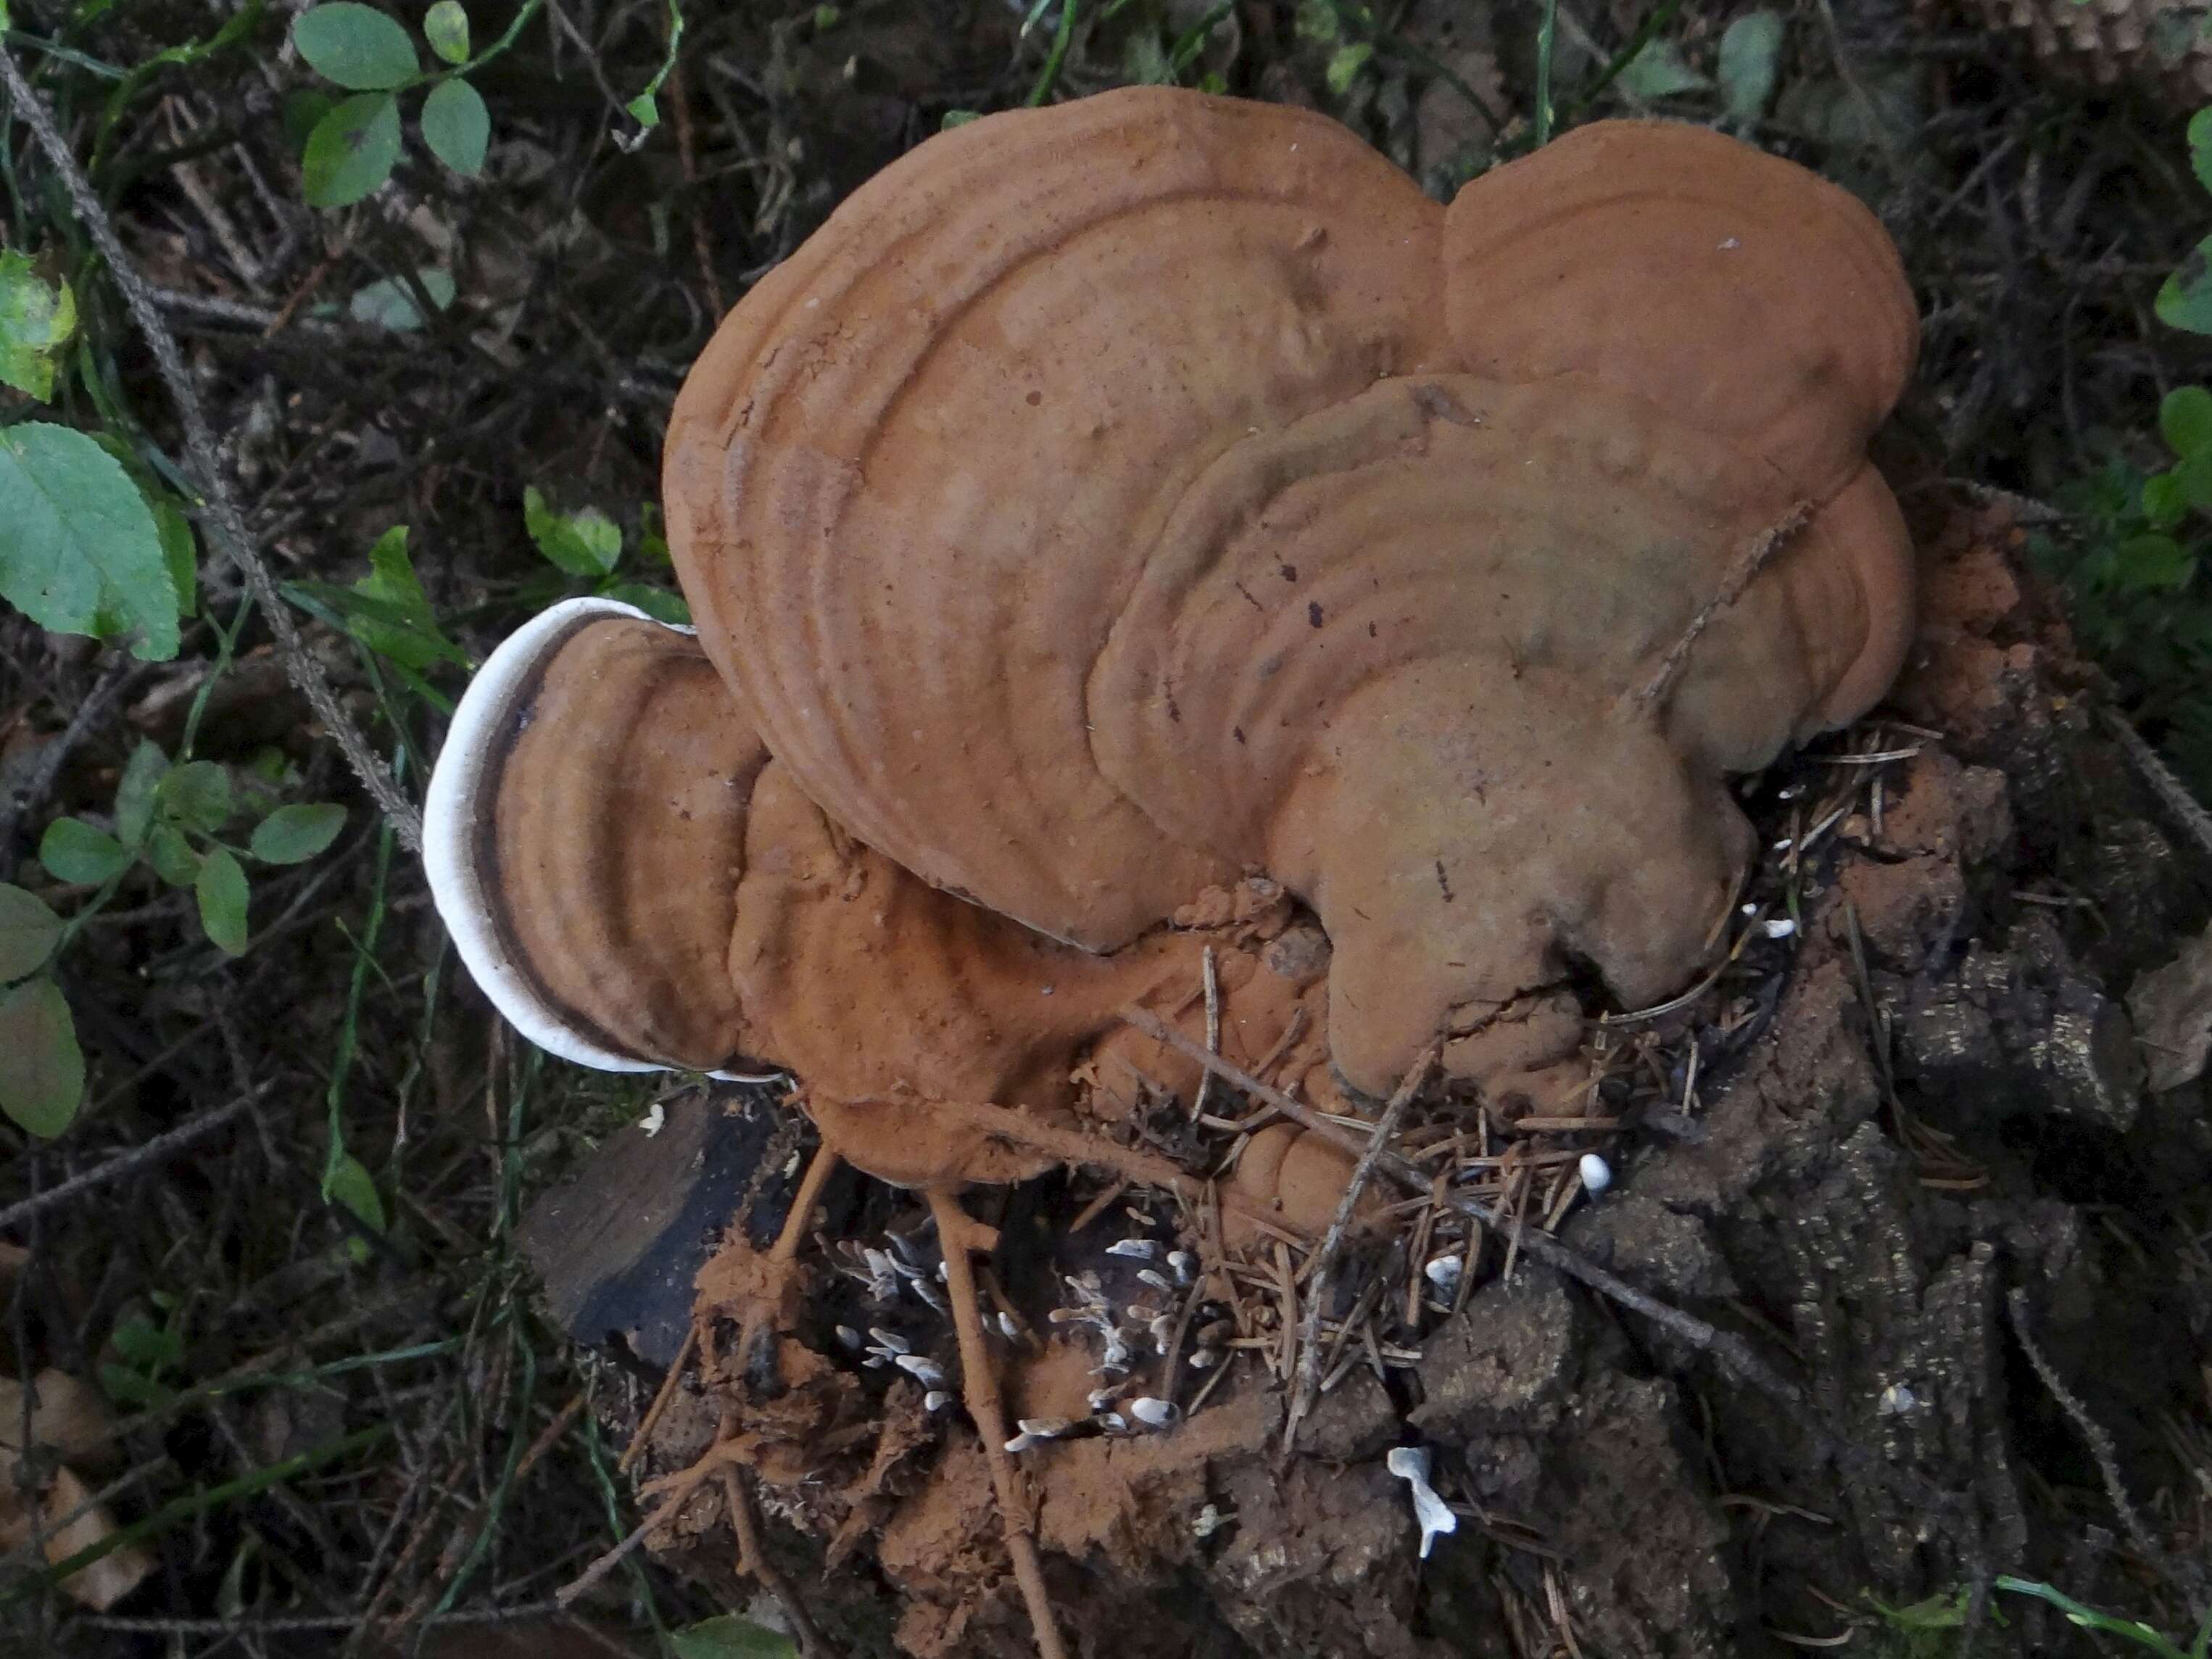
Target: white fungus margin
[[459, 797]]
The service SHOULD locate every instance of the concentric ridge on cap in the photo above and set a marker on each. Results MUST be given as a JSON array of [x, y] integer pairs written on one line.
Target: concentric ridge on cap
[[461, 783]]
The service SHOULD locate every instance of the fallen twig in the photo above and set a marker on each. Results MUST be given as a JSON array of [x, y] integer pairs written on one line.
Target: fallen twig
[[2173, 794], [222, 514], [129, 1162], [1309, 1378]]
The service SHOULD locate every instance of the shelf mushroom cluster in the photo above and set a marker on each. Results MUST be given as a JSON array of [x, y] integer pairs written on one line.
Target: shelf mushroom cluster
[[1113, 501]]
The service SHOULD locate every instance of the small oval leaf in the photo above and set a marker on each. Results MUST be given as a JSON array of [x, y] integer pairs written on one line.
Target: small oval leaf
[[171, 856], [293, 835], [2164, 505], [456, 126], [42, 1067], [1750, 53], [29, 929], [351, 151], [221, 891], [2154, 561], [446, 26], [2200, 146], [2186, 418], [2185, 299], [76, 852], [355, 46], [196, 795]]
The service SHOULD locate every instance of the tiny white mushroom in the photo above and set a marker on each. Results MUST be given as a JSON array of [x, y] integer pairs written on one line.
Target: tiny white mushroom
[[1140, 1249], [922, 1370], [1896, 1400], [1153, 1413], [1443, 1272], [655, 1116], [1183, 1264], [849, 1337], [1597, 1174], [1044, 1428], [1411, 1465], [1780, 927], [1009, 1326], [936, 1401], [1021, 1443], [1099, 1399], [890, 1340]]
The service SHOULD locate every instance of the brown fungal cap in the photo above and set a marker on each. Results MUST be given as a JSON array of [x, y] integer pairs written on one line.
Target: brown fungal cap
[[585, 836], [1113, 497]]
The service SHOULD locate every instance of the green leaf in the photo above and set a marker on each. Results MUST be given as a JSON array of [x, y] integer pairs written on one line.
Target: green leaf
[[2200, 146], [134, 795], [78, 532], [351, 151], [75, 852], [586, 544], [223, 894], [2164, 504], [172, 855], [826, 18], [293, 835], [657, 603], [355, 46], [390, 303], [446, 26], [2186, 418], [35, 320], [1750, 54], [196, 795], [396, 619], [29, 930], [2192, 479], [2154, 561], [147, 1348], [180, 552], [350, 1183], [958, 118], [2185, 299], [41, 1067], [456, 126], [1660, 71], [730, 1638], [644, 109], [1345, 65]]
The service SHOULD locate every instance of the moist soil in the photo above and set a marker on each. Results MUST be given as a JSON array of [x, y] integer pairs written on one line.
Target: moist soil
[[1905, 1151]]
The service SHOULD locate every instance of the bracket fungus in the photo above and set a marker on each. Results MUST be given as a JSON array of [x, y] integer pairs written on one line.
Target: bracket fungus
[[1115, 502]]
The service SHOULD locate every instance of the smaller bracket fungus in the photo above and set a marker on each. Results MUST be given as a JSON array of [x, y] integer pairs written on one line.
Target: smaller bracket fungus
[[637, 884]]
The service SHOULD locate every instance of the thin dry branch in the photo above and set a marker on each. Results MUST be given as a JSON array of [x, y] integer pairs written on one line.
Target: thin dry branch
[[1332, 1243], [222, 514], [1753, 559], [2173, 794]]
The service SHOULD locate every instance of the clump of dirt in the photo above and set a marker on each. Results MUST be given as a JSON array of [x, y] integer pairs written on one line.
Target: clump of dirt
[[1894, 1138]]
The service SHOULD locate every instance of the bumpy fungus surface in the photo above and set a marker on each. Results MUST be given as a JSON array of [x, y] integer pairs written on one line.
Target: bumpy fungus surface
[[1110, 500], [1114, 501]]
